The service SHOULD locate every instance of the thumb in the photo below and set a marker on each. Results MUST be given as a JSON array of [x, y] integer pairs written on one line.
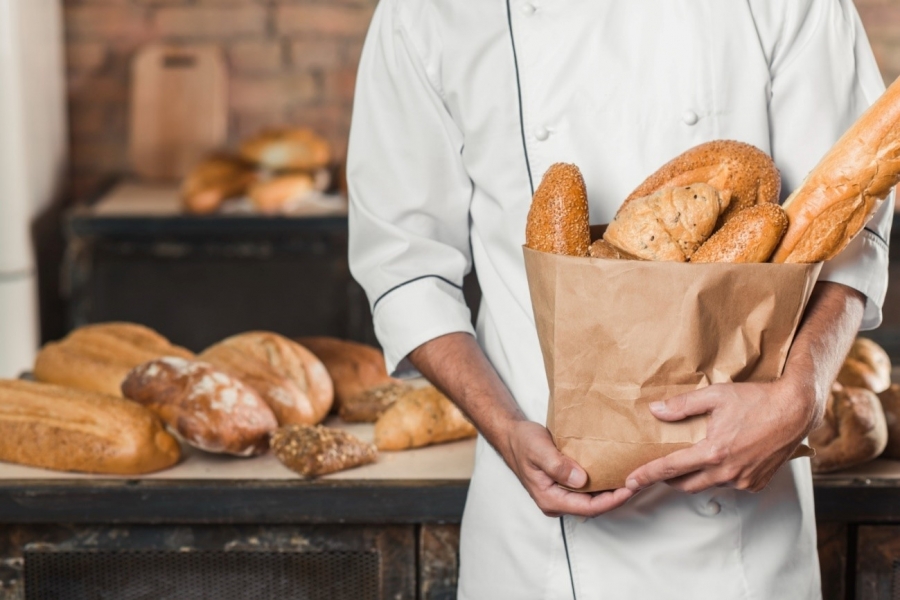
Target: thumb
[[676, 408], [561, 469]]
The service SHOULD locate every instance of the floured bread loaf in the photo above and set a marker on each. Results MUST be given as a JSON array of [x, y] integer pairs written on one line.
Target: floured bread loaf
[[98, 357], [207, 407], [65, 429], [292, 381], [669, 224]]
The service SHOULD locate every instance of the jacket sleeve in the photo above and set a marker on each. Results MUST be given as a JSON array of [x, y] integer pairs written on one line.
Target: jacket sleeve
[[409, 193], [824, 76]]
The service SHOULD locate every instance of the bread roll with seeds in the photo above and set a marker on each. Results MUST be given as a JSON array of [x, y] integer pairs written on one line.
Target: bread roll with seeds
[[313, 451], [558, 221], [669, 224], [743, 170], [208, 408], [750, 237]]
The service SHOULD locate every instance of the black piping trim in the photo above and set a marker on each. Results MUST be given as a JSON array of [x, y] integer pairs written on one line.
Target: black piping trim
[[562, 527], [512, 39], [400, 285], [877, 235]]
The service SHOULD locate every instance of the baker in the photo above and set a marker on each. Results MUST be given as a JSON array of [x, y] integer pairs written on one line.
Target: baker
[[460, 108]]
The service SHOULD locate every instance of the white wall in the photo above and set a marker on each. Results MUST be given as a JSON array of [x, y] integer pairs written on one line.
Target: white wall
[[32, 160]]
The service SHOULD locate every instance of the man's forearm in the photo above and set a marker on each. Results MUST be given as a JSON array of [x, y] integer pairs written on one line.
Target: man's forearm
[[456, 364], [823, 339]]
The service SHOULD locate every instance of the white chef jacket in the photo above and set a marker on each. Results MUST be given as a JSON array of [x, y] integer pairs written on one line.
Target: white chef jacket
[[461, 106]]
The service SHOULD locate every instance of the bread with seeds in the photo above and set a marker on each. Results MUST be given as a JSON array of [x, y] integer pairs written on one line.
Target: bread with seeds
[[313, 451]]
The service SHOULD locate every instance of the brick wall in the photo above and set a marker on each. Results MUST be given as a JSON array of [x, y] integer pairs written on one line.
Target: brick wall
[[292, 61]]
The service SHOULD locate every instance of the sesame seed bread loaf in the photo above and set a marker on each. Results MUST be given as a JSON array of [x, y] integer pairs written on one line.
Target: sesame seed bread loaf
[[749, 237], [558, 220]]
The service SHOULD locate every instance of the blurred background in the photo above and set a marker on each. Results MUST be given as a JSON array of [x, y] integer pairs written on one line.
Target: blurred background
[[94, 224]]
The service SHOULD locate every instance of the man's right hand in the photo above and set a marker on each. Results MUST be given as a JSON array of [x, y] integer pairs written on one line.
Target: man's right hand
[[533, 457]]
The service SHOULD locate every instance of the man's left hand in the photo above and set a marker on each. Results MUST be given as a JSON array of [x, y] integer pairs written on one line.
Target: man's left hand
[[753, 429]]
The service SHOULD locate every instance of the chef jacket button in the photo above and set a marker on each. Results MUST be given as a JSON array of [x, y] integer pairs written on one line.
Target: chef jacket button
[[690, 117], [712, 508], [541, 134], [528, 9]]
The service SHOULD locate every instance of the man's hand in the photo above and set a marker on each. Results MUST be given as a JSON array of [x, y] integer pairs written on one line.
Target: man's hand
[[540, 467], [753, 429]]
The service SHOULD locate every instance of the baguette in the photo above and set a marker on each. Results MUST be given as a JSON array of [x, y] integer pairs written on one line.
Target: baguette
[[98, 357], [558, 220], [422, 417], [844, 190], [65, 429], [749, 237]]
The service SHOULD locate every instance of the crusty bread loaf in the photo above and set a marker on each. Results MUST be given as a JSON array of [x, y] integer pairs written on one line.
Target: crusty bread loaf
[[669, 224], [65, 429], [292, 381], [278, 194], [98, 357], [208, 408], [854, 431], [747, 173], [845, 189], [421, 417], [867, 366], [558, 220], [317, 450], [603, 249], [749, 237], [367, 405], [213, 181], [890, 403], [353, 367], [287, 150]]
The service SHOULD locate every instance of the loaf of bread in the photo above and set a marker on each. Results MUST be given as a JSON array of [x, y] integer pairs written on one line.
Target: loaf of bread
[[746, 173], [844, 190], [367, 405], [558, 220], [317, 450], [277, 195], [98, 357], [854, 430], [749, 237], [669, 224], [422, 417], [65, 429], [603, 249], [354, 367], [215, 180], [287, 150], [867, 366], [208, 408], [890, 403], [292, 381]]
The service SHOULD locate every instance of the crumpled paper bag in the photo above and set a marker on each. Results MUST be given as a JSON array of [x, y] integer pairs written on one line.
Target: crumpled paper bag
[[619, 334]]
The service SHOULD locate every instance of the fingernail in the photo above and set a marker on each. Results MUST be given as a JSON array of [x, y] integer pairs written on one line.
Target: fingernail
[[576, 479], [658, 406], [633, 485]]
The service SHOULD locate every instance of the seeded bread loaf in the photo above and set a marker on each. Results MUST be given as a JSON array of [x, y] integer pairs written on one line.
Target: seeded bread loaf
[[312, 451], [558, 220], [749, 237]]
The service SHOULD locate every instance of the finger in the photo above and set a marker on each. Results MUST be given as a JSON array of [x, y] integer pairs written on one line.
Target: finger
[[676, 408], [544, 456], [563, 502], [696, 482], [674, 465]]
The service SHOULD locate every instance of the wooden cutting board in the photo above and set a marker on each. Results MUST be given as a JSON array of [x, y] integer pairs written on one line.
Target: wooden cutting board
[[179, 109]]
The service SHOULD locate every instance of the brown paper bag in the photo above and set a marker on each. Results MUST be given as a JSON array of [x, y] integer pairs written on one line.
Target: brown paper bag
[[619, 334]]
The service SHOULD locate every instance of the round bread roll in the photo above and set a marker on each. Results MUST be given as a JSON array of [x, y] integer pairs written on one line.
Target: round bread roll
[[278, 194], [748, 173], [890, 403], [98, 357], [291, 380], [287, 150], [867, 366], [669, 224], [558, 221], [215, 180], [854, 431], [749, 237]]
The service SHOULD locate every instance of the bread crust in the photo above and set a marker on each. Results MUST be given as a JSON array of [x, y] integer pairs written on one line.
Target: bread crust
[[748, 173], [844, 190], [867, 366], [99, 357], [422, 417], [291, 380], [749, 237], [558, 220], [66, 429], [603, 249], [313, 451], [854, 431], [890, 403], [287, 149], [208, 408]]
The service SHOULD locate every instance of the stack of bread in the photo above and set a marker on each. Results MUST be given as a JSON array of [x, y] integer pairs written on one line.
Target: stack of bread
[[110, 397], [278, 170]]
